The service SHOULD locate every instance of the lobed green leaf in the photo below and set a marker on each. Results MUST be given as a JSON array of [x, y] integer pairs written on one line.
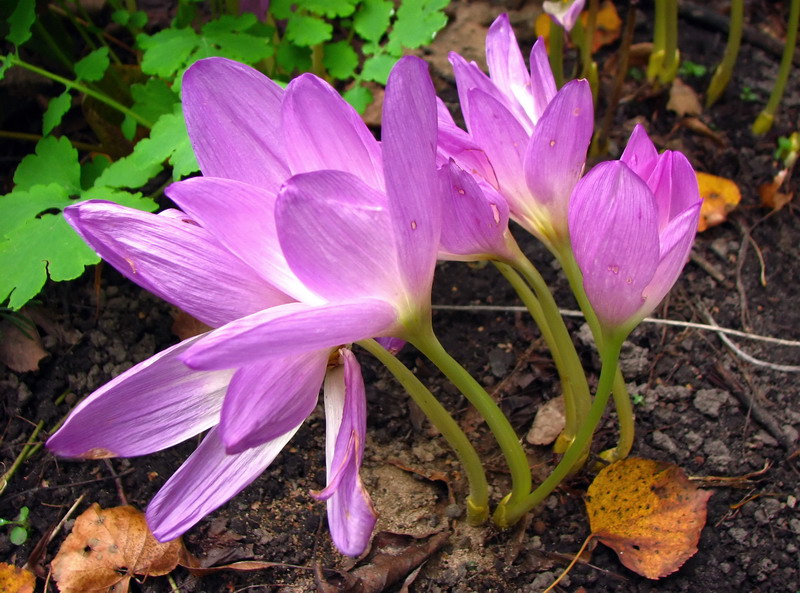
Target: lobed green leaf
[[340, 60], [359, 97], [372, 20], [306, 31], [55, 161], [56, 109], [417, 23], [166, 52], [21, 21], [93, 67], [377, 68]]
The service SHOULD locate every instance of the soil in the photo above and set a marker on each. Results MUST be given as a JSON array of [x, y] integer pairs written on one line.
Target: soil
[[699, 403]]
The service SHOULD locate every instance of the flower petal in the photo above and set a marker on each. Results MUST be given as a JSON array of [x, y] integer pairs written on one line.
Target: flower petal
[[614, 234], [469, 77], [409, 159], [336, 235], [174, 259], [232, 114], [454, 143], [206, 481], [322, 131], [269, 397], [640, 153], [556, 153], [292, 329], [507, 69], [242, 218], [351, 517], [543, 84], [151, 406], [674, 184], [477, 220], [564, 12], [504, 140]]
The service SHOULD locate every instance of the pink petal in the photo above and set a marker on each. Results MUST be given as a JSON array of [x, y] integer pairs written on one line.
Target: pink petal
[[242, 218], [508, 71], [640, 154], [543, 84], [151, 406], [232, 114], [206, 481], [556, 153], [322, 131], [469, 77], [174, 259], [476, 220], [564, 12], [674, 183], [614, 234], [292, 329], [351, 516], [336, 235], [409, 159], [267, 398]]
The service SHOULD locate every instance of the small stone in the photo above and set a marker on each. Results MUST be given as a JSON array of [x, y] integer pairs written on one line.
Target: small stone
[[710, 401], [454, 511], [665, 443], [548, 423]]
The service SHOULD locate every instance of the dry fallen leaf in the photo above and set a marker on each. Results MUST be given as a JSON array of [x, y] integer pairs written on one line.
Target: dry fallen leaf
[[20, 345], [720, 196], [548, 423], [184, 326], [16, 580], [683, 100], [770, 196], [649, 513], [107, 548]]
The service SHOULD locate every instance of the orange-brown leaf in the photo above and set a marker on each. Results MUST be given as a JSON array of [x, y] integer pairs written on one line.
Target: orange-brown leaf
[[16, 580], [720, 196], [649, 513], [107, 547], [607, 25]]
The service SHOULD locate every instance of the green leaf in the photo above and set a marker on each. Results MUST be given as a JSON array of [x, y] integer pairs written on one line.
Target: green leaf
[[22, 517], [372, 19], [377, 68], [20, 22], [18, 535], [417, 23], [93, 67], [20, 206], [5, 64], [340, 60], [40, 246], [153, 99], [91, 170], [228, 35], [55, 161], [329, 8], [359, 97], [282, 9], [56, 109], [306, 31], [168, 140], [123, 198], [292, 58], [167, 51]]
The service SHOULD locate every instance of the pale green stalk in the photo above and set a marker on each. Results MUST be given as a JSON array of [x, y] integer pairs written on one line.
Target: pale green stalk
[[557, 52], [724, 71], [766, 118], [478, 499]]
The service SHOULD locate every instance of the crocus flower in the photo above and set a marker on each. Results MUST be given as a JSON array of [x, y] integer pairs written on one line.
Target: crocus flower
[[632, 223], [369, 254], [534, 137], [564, 12]]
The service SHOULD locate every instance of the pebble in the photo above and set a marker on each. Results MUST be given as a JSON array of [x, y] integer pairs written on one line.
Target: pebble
[[710, 401]]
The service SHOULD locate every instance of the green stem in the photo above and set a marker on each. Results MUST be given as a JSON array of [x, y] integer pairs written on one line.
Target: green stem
[[656, 62], [72, 84], [557, 52], [669, 68], [568, 363], [509, 512], [622, 400], [478, 499], [23, 455], [429, 345], [723, 72], [766, 118], [589, 66]]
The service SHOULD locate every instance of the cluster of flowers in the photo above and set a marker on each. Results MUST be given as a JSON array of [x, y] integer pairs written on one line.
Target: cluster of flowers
[[305, 235]]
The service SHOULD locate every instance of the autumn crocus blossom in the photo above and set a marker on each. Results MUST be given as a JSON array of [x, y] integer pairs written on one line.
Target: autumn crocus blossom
[[366, 272], [564, 12], [534, 137], [632, 223]]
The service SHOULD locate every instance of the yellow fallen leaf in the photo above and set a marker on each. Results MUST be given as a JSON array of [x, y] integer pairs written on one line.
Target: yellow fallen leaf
[[720, 196], [649, 513], [683, 99], [16, 580], [770, 196], [107, 548], [607, 26]]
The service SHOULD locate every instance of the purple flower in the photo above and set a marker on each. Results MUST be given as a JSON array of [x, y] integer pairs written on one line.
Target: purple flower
[[632, 223], [534, 137], [564, 12], [221, 260], [260, 8]]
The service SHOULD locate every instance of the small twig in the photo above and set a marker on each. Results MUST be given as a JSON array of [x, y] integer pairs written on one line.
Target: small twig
[[23, 455], [707, 267], [71, 485], [673, 322], [739, 282], [120, 490], [66, 517]]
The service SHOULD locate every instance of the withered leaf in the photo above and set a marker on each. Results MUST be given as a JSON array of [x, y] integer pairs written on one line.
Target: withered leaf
[[720, 196], [107, 548], [649, 513], [683, 100], [16, 580]]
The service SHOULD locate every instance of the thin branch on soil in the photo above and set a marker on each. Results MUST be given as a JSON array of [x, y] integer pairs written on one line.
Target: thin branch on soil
[[71, 485], [66, 517], [120, 490], [707, 267], [573, 313]]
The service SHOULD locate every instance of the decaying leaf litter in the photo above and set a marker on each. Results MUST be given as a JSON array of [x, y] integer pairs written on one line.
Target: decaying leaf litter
[[720, 438]]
